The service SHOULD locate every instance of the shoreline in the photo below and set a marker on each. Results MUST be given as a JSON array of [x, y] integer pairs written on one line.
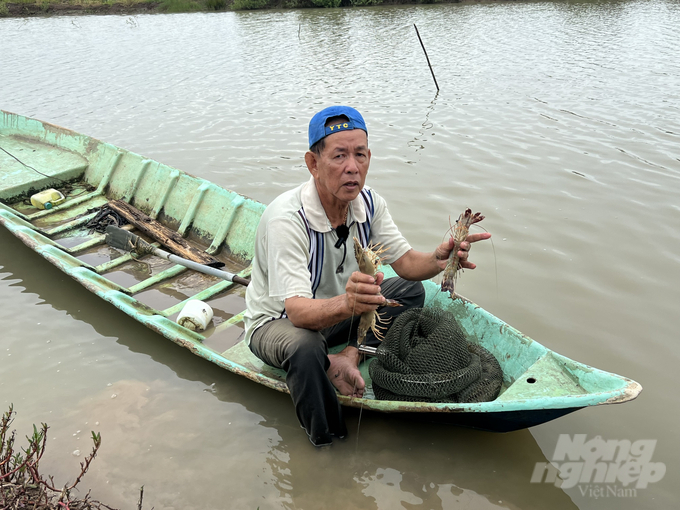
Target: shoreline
[[61, 8], [35, 8]]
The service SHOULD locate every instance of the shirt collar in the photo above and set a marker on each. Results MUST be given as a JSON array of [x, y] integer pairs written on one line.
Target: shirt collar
[[316, 214]]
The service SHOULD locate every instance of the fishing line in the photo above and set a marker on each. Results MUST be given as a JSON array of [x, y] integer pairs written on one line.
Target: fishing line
[[361, 358], [64, 183], [495, 260], [361, 411], [29, 166], [351, 322]]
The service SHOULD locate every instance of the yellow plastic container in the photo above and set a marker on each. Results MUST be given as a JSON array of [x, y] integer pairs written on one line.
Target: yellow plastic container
[[47, 199]]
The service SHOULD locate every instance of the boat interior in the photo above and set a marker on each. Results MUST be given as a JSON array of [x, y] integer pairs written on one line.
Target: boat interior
[[36, 156]]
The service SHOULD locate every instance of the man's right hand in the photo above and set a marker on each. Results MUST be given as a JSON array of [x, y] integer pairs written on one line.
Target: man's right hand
[[362, 293]]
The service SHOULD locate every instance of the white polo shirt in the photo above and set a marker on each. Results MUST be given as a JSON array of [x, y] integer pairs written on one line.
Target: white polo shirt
[[281, 265]]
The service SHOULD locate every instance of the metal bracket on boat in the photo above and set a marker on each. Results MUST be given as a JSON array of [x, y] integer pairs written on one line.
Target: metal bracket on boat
[[366, 349]]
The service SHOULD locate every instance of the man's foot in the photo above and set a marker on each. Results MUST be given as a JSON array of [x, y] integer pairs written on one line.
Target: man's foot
[[320, 440], [344, 372]]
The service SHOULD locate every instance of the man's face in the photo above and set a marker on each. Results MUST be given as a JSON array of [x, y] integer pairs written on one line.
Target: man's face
[[340, 170]]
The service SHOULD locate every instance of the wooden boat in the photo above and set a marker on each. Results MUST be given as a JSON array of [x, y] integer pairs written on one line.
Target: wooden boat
[[539, 384]]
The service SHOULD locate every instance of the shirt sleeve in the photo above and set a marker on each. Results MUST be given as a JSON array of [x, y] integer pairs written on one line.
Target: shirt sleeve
[[385, 232], [287, 259]]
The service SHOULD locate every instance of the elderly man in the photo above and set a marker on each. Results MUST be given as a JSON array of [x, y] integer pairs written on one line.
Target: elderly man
[[307, 293]]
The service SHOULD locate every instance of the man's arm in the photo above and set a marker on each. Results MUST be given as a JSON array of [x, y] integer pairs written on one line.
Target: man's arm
[[362, 294], [418, 265]]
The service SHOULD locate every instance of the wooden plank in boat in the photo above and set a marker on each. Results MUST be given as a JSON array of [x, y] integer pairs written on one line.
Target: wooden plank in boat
[[169, 238]]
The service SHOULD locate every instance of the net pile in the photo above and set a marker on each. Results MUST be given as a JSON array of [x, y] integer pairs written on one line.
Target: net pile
[[426, 358]]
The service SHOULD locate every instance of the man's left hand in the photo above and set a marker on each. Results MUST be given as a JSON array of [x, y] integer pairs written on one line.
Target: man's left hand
[[443, 251], [344, 372]]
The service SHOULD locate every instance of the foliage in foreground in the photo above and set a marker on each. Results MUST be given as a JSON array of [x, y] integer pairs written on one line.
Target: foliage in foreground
[[22, 485]]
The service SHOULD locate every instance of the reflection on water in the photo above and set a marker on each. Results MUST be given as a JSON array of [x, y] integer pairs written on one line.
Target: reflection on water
[[206, 420], [394, 464], [557, 120], [422, 136]]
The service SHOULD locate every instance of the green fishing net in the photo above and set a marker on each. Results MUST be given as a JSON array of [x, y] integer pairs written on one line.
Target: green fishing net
[[426, 358]]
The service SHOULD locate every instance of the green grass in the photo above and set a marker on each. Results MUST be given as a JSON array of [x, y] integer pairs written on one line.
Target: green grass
[[182, 6], [246, 5]]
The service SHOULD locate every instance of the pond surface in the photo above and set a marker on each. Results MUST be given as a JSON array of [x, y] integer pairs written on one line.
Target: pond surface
[[560, 121]]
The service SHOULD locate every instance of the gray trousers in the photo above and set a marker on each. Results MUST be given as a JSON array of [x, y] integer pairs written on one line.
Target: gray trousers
[[303, 354]]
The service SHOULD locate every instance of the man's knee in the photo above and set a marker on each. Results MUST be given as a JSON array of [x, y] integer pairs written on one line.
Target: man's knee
[[408, 293], [278, 342], [308, 347], [416, 293]]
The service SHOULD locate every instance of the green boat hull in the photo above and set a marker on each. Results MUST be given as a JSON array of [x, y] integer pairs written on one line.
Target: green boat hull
[[539, 384]]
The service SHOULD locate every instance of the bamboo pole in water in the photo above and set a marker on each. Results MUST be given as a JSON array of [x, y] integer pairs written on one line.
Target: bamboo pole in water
[[428, 58]]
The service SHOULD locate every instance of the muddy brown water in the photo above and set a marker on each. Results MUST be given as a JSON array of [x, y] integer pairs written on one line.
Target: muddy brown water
[[560, 121]]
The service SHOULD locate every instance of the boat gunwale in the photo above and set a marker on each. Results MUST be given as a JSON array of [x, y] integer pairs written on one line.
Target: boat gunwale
[[193, 341], [19, 224]]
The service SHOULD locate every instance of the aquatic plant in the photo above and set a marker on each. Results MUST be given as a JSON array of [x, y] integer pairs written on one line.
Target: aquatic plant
[[21, 483]]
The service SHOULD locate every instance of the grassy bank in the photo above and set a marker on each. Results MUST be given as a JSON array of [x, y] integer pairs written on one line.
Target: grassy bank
[[20, 8]]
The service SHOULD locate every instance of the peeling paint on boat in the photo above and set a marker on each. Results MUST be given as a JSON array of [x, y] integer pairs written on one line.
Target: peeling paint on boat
[[538, 385]]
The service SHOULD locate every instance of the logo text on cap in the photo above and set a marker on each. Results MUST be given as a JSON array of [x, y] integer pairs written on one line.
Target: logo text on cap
[[339, 126]]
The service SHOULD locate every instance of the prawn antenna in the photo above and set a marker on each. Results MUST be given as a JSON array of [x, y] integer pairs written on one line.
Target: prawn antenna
[[495, 264]]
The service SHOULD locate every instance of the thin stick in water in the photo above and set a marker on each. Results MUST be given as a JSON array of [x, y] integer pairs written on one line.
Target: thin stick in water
[[428, 58]]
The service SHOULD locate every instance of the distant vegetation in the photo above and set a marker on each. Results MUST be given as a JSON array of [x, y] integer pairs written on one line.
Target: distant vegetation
[[292, 4], [42, 7]]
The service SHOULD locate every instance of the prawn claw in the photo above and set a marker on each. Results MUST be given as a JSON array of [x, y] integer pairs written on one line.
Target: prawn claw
[[391, 302]]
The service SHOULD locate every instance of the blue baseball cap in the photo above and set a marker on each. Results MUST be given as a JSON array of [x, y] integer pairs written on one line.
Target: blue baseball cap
[[318, 129]]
